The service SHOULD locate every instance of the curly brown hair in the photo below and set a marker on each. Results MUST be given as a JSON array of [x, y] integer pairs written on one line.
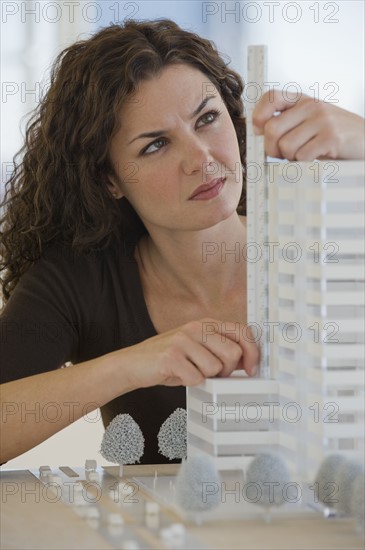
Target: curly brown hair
[[57, 191]]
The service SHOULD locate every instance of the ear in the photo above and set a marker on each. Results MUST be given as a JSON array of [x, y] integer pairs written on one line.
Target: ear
[[114, 187]]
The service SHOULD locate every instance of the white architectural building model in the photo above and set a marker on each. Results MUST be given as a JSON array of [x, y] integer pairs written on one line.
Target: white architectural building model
[[305, 257]]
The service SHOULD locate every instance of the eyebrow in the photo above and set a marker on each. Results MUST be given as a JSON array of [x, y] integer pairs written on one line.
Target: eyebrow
[[157, 133]]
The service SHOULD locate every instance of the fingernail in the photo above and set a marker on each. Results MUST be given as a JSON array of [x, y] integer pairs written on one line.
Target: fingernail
[[254, 370]]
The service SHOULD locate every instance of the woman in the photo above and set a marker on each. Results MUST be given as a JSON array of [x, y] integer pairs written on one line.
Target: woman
[[132, 164]]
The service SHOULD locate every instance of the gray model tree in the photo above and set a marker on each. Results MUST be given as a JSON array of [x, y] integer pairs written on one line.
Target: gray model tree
[[198, 485], [172, 437], [123, 441], [357, 503], [345, 478], [268, 475], [325, 486]]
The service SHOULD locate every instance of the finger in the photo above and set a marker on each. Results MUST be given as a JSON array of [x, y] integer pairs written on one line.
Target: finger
[[317, 148], [183, 373], [225, 349], [251, 359], [188, 343], [229, 342], [270, 103], [250, 351], [290, 142], [208, 332], [243, 350], [208, 363], [286, 133]]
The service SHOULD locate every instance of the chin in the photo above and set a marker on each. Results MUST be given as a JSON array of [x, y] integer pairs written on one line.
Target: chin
[[224, 212]]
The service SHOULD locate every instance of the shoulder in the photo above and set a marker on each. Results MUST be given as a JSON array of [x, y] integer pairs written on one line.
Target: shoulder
[[61, 278], [61, 266], [70, 264]]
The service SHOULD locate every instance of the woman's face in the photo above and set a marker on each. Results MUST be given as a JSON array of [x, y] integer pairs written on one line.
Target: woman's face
[[159, 174]]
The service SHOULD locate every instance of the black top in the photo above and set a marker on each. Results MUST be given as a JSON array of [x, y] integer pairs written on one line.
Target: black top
[[75, 308]]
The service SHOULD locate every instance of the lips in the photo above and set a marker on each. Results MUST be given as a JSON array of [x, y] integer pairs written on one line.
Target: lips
[[218, 182]]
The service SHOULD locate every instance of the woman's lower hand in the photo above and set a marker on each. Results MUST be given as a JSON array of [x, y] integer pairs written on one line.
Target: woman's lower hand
[[187, 355]]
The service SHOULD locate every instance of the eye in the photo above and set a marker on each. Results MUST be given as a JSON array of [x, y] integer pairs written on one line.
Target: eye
[[211, 116], [153, 144]]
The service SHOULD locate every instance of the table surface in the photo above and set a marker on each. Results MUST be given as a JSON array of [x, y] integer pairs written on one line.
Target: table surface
[[28, 520]]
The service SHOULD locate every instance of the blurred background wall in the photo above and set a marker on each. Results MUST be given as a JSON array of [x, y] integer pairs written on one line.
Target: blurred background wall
[[315, 48]]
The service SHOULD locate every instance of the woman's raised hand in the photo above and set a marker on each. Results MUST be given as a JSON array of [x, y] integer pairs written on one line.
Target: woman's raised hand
[[306, 129], [187, 355]]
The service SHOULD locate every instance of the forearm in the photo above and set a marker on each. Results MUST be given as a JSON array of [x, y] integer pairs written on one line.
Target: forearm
[[178, 357], [36, 407]]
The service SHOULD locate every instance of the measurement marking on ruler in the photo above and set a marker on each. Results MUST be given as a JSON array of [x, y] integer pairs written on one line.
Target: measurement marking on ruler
[[257, 230]]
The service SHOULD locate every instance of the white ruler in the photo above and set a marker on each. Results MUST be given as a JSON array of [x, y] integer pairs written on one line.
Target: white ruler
[[257, 218]]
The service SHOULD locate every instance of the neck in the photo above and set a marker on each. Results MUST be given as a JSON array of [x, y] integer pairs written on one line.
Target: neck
[[200, 265]]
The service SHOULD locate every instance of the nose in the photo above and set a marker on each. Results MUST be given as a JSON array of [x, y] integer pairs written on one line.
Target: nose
[[196, 156]]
